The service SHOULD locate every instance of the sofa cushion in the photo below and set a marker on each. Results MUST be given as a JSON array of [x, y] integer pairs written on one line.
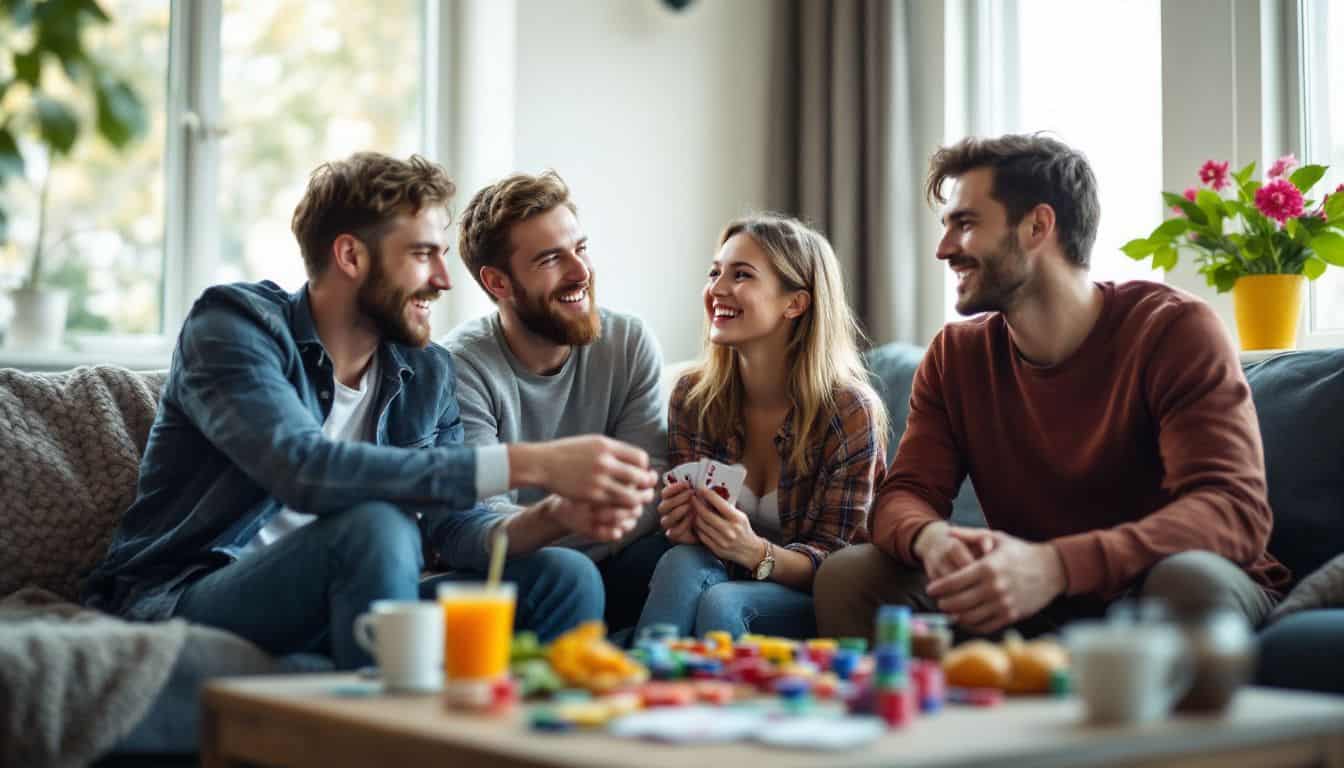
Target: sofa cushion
[[71, 444], [892, 371], [1299, 398]]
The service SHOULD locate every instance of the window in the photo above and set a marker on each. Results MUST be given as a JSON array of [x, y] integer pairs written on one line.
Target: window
[[246, 98], [1321, 34], [105, 210], [303, 82], [1100, 93]]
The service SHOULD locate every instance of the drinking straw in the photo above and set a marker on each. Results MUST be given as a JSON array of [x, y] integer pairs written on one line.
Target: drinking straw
[[499, 546]]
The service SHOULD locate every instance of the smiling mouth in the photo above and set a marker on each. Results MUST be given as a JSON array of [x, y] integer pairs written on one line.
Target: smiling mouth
[[575, 296], [726, 313]]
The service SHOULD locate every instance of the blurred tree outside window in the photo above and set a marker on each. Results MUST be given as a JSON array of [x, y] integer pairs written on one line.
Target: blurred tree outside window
[[304, 82]]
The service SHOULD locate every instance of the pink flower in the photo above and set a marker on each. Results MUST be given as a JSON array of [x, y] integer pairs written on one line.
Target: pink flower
[[1190, 193], [1282, 166], [1214, 174], [1279, 200]]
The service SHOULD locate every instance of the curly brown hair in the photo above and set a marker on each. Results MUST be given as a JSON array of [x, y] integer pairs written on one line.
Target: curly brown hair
[[483, 237], [361, 196]]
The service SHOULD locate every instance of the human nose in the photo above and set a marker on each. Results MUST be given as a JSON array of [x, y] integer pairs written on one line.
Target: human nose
[[439, 277], [947, 246], [577, 269]]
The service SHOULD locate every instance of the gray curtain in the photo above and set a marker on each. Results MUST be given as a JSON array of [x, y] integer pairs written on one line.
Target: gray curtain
[[845, 157]]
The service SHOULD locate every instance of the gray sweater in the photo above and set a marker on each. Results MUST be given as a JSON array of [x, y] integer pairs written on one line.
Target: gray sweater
[[609, 387]]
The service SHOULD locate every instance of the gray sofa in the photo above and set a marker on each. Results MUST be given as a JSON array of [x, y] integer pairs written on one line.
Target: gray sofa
[[1299, 399], [71, 444]]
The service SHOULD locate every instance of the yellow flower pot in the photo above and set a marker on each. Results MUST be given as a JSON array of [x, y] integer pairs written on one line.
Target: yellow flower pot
[[1267, 308]]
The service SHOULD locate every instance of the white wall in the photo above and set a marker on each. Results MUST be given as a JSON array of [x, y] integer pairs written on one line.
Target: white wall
[[658, 122]]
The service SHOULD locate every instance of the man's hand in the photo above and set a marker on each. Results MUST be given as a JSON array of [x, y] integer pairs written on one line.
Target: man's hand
[[675, 516], [600, 523], [588, 468], [726, 530], [946, 549], [1015, 580]]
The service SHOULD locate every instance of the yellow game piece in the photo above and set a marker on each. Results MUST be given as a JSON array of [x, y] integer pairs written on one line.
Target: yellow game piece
[[823, 644], [720, 640], [587, 714]]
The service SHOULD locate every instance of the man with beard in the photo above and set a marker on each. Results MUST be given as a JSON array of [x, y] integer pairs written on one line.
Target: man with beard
[[1108, 428], [308, 447], [548, 364]]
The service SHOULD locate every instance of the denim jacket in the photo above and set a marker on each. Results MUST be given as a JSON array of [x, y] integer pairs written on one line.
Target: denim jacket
[[238, 436]]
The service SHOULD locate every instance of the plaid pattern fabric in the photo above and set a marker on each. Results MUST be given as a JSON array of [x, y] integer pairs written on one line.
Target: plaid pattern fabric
[[824, 509]]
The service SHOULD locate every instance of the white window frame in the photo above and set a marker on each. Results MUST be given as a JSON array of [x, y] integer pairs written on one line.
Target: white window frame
[[1307, 106]]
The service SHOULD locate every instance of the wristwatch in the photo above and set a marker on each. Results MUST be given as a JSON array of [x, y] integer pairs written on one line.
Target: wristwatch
[[767, 564]]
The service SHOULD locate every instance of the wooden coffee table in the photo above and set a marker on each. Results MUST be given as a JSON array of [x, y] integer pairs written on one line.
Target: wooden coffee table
[[315, 720]]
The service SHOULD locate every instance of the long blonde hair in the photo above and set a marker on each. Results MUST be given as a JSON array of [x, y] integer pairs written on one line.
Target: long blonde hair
[[822, 353]]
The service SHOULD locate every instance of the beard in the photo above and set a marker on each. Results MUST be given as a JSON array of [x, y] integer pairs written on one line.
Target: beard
[[1000, 278], [385, 305], [555, 325]]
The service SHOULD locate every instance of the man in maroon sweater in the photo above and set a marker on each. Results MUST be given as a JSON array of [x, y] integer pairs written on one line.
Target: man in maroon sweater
[[1108, 429]]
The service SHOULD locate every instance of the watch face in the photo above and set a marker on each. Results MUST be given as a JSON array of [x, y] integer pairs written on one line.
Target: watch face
[[765, 568]]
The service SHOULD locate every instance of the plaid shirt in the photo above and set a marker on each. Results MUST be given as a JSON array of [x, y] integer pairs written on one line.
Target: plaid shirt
[[824, 509]]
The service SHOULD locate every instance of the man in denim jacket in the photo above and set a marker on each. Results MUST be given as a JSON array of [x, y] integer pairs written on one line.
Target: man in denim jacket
[[308, 446]]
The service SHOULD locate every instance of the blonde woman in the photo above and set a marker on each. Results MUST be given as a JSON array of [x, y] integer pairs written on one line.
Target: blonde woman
[[782, 391]]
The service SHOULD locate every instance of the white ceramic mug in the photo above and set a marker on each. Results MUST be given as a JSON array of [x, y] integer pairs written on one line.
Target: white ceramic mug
[[1128, 673], [405, 637]]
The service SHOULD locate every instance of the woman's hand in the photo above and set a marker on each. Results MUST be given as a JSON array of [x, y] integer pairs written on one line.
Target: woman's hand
[[725, 529], [675, 514]]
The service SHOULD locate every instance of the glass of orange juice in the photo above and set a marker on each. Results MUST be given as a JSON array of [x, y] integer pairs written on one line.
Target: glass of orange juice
[[477, 629]]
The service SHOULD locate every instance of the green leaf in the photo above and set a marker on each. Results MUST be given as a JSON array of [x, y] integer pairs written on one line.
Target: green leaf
[[1290, 227], [4, 226], [1313, 268], [28, 66], [1172, 228], [11, 160], [1224, 277], [1190, 210], [1245, 174], [58, 123], [1139, 249], [58, 32], [1165, 257], [121, 115], [1330, 247], [1334, 205], [1305, 178]]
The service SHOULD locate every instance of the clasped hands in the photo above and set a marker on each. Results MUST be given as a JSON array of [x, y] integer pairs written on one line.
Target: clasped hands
[[599, 486], [700, 516], [987, 580]]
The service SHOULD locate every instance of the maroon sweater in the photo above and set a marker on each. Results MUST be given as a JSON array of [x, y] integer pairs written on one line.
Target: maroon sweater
[[1142, 444]]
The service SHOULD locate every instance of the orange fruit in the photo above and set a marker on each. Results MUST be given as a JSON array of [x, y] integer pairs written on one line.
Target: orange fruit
[[977, 664]]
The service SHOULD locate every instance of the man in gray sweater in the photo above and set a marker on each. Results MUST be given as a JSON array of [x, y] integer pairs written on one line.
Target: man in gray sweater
[[548, 364]]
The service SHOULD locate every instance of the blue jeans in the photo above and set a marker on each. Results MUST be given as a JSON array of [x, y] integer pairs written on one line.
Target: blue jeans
[[691, 590], [1302, 651], [302, 593]]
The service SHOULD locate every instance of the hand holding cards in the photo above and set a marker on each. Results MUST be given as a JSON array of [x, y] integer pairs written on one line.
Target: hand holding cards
[[724, 479]]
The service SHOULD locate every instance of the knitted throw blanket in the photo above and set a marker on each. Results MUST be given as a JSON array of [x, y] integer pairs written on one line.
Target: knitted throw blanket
[[70, 446]]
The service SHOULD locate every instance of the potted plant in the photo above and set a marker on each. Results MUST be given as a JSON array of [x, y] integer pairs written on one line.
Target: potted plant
[[40, 112], [1260, 240]]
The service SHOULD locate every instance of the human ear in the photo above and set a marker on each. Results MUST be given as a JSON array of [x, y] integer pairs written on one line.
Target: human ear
[[348, 255], [497, 283], [798, 305]]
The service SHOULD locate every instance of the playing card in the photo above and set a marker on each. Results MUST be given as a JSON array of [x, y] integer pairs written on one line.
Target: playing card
[[725, 479], [688, 473]]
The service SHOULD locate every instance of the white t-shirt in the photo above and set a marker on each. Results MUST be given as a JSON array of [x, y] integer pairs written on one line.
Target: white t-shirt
[[763, 514], [351, 419]]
